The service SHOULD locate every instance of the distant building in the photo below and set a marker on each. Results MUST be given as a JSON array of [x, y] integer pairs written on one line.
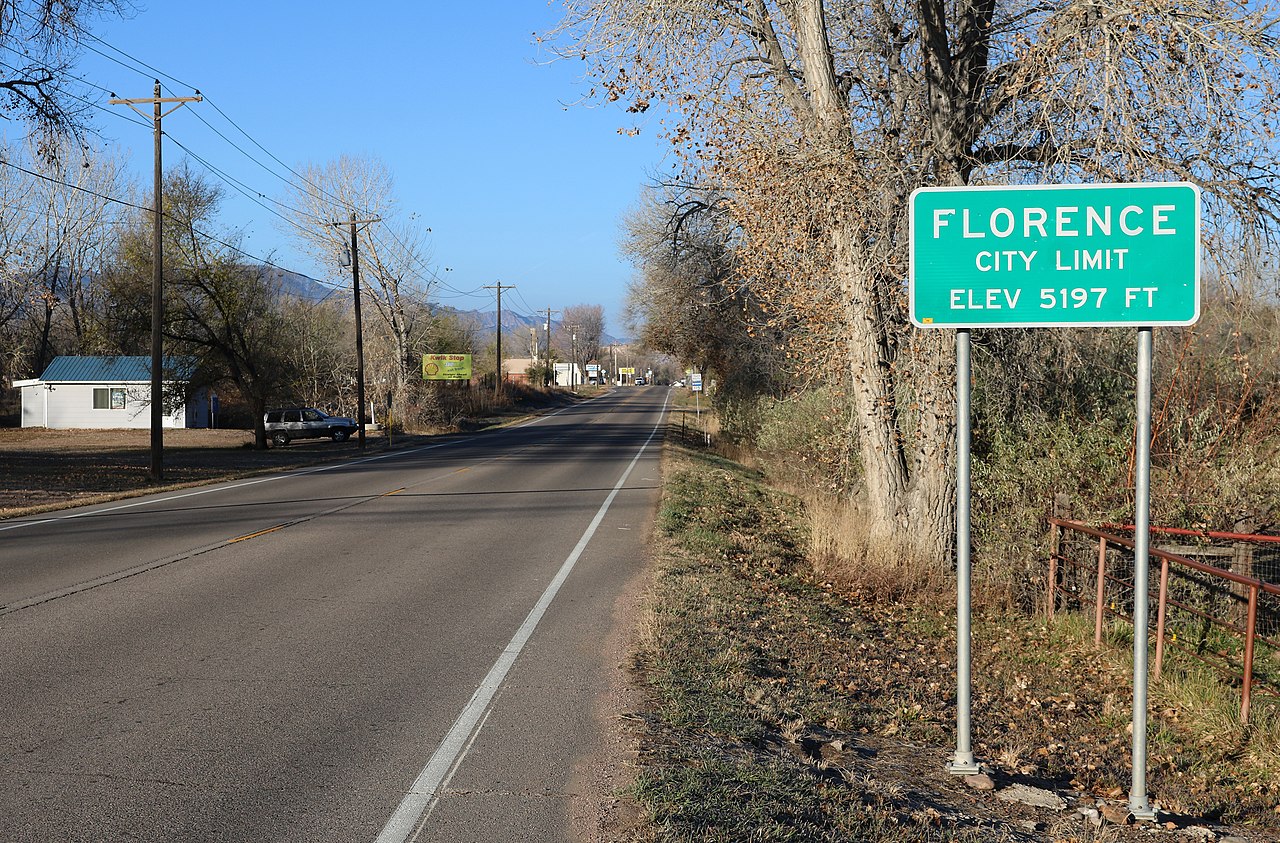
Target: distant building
[[106, 392], [566, 372], [516, 369]]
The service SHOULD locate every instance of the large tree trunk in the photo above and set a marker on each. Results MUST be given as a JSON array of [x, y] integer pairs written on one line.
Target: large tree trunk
[[931, 500], [907, 453], [259, 405], [884, 464]]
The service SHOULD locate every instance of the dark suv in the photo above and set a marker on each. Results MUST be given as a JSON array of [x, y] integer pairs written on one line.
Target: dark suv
[[306, 423]]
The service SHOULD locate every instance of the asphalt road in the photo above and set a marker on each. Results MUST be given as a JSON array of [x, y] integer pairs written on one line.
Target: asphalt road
[[404, 647]]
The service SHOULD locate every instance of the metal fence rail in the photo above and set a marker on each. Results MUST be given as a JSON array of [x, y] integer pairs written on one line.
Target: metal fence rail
[[1212, 602]]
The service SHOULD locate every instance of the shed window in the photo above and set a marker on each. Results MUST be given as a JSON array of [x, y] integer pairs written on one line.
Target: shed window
[[108, 398]]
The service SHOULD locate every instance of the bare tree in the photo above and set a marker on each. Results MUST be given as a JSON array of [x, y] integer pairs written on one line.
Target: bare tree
[[688, 299], [41, 38], [819, 118], [586, 322], [73, 233], [319, 353], [393, 251], [18, 194], [55, 233]]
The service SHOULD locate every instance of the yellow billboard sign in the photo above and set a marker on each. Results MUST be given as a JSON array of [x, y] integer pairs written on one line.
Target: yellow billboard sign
[[446, 367], [627, 370]]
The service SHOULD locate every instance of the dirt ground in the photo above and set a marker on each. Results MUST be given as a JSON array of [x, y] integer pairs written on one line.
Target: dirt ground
[[51, 469]]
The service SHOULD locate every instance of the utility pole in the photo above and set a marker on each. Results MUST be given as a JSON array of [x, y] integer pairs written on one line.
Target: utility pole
[[354, 255], [157, 273], [573, 355], [497, 372], [551, 372]]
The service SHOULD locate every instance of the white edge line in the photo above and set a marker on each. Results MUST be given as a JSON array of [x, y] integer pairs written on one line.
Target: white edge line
[[417, 804]]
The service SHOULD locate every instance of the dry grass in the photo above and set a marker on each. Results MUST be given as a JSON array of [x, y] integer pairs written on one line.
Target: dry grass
[[844, 552], [753, 658]]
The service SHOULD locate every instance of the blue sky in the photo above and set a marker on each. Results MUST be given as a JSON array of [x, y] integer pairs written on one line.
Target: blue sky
[[517, 183]]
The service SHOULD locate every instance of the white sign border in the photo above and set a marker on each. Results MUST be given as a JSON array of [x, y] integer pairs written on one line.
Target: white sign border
[[911, 274]]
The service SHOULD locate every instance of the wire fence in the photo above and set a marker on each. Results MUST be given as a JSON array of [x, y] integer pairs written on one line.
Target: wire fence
[[690, 428], [1217, 595]]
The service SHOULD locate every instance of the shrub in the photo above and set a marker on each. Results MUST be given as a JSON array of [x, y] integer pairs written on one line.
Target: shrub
[[807, 440], [1079, 468]]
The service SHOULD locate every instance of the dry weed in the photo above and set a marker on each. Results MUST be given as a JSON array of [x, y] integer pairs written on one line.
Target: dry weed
[[845, 553]]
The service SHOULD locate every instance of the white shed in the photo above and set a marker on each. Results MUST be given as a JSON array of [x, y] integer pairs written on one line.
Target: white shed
[[112, 392], [569, 374]]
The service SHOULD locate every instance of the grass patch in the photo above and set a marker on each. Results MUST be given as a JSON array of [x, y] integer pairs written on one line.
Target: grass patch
[[759, 711], [784, 706]]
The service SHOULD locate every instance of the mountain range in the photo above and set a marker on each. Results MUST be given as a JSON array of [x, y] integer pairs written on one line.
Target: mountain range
[[304, 287]]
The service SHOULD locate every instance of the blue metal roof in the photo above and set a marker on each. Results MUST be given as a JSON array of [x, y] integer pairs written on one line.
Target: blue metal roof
[[104, 369]]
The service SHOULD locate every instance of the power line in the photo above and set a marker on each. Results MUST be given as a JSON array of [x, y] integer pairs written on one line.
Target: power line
[[87, 34], [211, 238], [528, 306], [302, 178], [87, 102], [331, 286], [426, 271], [247, 191], [421, 300], [156, 71], [103, 196], [422, 265]]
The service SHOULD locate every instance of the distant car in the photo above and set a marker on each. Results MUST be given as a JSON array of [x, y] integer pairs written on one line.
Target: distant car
[[291, 423], [678, 384], [639, 381]]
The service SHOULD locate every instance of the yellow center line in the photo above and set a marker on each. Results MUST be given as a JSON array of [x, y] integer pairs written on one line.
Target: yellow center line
[[289, 523], [259, 533]]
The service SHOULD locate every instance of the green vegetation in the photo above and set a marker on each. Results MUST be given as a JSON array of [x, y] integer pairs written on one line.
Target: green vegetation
[[784, 706], [747, 662]]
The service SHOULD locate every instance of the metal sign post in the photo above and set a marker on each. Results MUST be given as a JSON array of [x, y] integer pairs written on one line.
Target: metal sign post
[[1105, 255], [1139, 806], [962, 763]]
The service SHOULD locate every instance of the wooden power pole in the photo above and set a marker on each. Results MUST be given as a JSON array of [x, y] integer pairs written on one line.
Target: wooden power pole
[[355, 301], [497, 371], [157, 274], [551, 366]]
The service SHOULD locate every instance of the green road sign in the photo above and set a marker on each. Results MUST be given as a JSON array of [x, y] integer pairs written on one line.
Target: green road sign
[[1055, 256]]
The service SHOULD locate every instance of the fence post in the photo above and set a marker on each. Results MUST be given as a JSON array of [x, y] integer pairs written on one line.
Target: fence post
[[1242, 564], [1101, 598], [1160, 607], [1250, 632], [1055, 547]]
